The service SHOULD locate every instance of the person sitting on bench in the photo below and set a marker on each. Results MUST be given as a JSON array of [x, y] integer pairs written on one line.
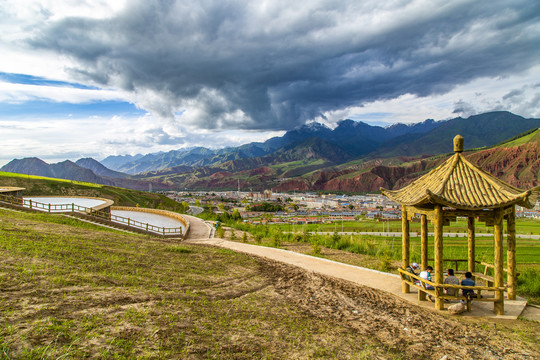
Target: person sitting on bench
[[426, 274], [468, 281], [412, 268], [452, 280]]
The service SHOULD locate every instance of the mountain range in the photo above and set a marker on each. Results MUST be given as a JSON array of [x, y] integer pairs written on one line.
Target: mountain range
[[354, 156], [353, 139]]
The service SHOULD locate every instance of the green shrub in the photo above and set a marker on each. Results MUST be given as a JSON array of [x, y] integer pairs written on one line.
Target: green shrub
[[316, 248], [221, 232], [275, 241], [385, 263]]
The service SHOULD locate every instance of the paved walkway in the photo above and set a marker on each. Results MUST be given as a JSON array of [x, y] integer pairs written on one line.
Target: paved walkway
[[200, 233]]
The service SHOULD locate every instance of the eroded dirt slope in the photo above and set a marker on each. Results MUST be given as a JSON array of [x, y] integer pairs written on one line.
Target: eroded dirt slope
[[404, 329]]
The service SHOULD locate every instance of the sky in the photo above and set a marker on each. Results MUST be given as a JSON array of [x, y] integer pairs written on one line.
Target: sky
[[96, 78]]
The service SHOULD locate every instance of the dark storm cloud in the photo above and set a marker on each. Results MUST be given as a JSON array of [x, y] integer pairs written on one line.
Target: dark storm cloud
[[274, 65], [464, 109], [513, 94]]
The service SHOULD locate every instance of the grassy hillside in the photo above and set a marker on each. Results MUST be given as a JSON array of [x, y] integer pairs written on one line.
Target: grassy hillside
[[76, 292], [38, 185], [531, 136], [71, 291]]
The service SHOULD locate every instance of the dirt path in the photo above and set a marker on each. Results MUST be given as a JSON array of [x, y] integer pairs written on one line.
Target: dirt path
[[199, 233], [361, 276], [197, 228], [405, 329]]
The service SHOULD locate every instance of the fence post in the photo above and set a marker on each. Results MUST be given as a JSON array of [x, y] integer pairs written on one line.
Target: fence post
[[163, 231], [49, 207], [146, 226], [128, 222], [30, 204], [72, 207]]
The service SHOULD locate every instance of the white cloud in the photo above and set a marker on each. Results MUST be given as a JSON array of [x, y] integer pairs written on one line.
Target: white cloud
[[54, 140], [481, 95]]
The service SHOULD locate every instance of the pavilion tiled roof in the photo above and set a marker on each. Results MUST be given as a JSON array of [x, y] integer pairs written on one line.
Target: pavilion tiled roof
[[460, 184]]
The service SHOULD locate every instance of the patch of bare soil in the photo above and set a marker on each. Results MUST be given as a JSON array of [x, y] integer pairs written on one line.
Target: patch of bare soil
[[411, 331]]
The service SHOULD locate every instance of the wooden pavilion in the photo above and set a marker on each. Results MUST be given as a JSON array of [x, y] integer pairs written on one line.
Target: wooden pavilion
[[457, 188]]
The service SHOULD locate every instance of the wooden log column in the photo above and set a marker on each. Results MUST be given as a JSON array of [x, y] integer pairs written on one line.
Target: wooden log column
[[438, 258], [498, 280], [471, 244], [511, 254], [424, 250], [405, 288]]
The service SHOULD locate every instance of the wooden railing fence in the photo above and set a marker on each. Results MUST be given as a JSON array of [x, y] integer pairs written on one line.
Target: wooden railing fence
[[31, 204]]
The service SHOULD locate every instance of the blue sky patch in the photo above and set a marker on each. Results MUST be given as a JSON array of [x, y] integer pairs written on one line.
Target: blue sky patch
[[48, 109], [36, 80]]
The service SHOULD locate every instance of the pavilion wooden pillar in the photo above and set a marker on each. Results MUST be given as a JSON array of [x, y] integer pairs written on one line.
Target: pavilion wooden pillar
[[438, 255], [424, 250], [405, 288], [498, 306], [511, 253], [471, 244]]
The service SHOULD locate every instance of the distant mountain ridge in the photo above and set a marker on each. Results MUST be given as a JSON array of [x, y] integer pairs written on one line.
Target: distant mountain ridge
[[62, 170], [516, 162], [354, 157], [74, 171], [305, 165], [479, 130], [353, 137], [99, 169]]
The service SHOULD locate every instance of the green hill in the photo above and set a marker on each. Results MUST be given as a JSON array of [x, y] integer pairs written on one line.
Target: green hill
[[39, 185], [70, 290]]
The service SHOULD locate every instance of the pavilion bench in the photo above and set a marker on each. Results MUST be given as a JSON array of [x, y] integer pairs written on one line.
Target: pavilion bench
[[422, 285]]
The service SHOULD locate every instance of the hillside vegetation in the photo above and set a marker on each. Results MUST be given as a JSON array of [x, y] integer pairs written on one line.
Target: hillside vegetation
[[70, 290], [38, 185]]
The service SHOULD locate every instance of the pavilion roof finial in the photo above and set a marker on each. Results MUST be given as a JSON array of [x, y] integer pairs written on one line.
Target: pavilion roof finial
[[458, 143]]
